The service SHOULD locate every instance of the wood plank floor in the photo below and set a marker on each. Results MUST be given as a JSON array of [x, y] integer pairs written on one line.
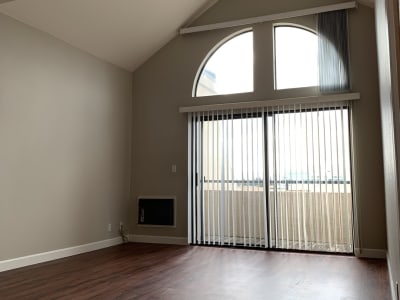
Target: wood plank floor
[[147, 271]]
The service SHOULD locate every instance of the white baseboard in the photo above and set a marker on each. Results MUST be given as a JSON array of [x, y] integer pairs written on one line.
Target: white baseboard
[[370, 253], [24, 261], [152, 239], [393, 287]]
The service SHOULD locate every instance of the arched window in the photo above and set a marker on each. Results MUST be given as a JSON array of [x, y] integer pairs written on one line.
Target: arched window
[[296, 57], [228, 69]]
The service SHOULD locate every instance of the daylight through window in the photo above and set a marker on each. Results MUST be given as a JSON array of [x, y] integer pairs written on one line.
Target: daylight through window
[[296, 57], [229, 69]]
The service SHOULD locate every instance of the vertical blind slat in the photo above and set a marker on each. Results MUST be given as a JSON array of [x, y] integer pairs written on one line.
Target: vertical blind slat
[[344, 173], [190, 173], [340, 238], [265, 182], [212, 159]]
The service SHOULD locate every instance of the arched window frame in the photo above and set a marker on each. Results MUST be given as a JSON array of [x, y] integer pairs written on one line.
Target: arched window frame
[[293, 25], [211, 53]]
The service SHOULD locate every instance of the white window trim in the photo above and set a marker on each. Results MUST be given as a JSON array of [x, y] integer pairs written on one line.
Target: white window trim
[[268, 18], [273, 102]]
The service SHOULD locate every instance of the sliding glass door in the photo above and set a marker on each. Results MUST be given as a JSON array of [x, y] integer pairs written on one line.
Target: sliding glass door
[[299, 154], [230, 187], [310, 195]]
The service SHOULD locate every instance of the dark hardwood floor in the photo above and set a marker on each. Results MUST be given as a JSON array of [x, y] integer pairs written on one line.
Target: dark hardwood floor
[[147, 271]]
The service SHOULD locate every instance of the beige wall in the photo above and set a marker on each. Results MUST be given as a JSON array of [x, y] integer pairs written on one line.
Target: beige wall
[[64, 136], [388, 59], [164, 83]]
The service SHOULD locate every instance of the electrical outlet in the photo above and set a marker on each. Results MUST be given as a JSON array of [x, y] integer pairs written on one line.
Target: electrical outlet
[[109, 227], [121, 226]]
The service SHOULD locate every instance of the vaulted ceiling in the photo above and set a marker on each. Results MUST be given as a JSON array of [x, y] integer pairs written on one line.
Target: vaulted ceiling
[[123, 32]]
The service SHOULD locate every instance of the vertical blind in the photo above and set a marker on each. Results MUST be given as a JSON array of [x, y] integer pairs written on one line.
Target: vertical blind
[[228, 186], [272, 177], [333, 53]]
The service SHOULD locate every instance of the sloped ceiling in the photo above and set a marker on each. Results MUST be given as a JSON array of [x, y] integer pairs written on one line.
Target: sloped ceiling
[[123, 32]]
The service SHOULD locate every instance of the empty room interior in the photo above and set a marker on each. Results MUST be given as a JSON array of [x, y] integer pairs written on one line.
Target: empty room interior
[[199, 149]]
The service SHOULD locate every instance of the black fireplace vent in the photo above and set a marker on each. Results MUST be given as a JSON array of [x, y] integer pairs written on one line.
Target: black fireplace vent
[[156, 211]]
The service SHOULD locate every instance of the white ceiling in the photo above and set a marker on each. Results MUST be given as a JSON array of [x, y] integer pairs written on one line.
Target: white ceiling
[[123, 32]]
